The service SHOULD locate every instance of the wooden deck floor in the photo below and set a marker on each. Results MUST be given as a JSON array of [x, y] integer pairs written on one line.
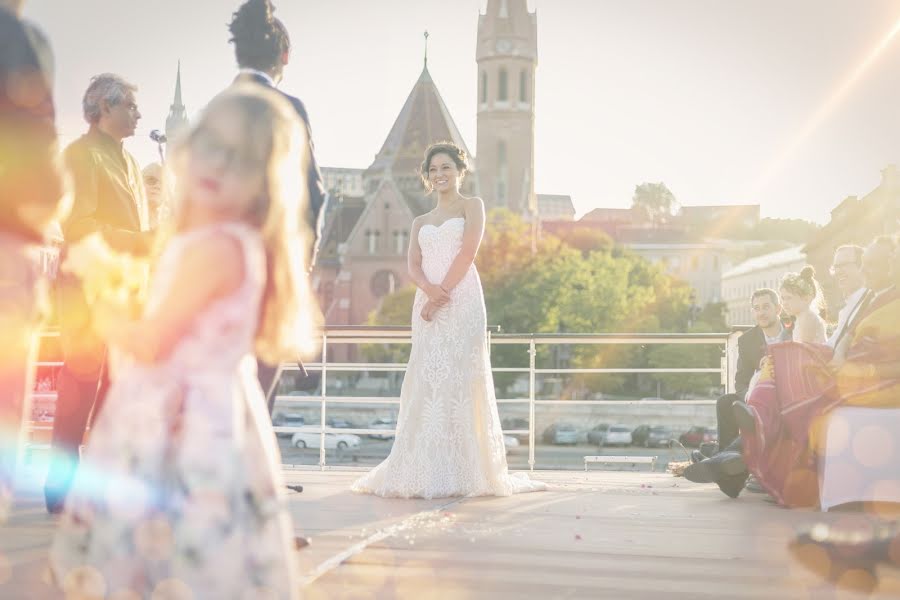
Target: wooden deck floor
[[593, 535]]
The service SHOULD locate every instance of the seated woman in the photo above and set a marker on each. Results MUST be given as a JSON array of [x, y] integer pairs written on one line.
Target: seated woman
[[801, 296], [782, 423]]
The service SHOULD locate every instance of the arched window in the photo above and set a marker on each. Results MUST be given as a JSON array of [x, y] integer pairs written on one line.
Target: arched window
[[523, 86], [484, 89], [503, 86]]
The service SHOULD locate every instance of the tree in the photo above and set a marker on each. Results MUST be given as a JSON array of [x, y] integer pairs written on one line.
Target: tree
[[395, 310], [655, 202], [570, 288], [710, 320]]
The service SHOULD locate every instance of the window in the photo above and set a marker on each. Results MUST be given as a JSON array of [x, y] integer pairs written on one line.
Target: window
[[484, 88], [372, 240], [382, 283], [695, 263], [502, 86], [523, 86], [400, 239], [502, 173]]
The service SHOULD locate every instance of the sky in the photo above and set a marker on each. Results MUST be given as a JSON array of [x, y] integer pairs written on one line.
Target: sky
[[791, 104]]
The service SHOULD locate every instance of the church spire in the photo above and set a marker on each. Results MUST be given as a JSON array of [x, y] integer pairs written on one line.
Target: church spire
[[178, 86], [426, 49], [177, 111]]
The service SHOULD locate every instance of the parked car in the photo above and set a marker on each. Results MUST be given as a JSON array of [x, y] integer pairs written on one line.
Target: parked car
[[287, 420], [695, 436], [339, 423], [618, 435], [658, 436], [382, 424], [522, 424], [597, 435], [560, 434], [639, 435], [339, 441], [510, 442]]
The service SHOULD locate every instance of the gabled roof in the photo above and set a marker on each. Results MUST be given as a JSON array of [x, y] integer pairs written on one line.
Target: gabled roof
[[423, 120], [389, 188], [339, 222]]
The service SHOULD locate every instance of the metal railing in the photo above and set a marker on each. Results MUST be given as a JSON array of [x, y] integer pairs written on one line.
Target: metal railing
[[356, 335]]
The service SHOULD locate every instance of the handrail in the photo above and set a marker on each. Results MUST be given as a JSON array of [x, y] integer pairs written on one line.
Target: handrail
[[366, 334]]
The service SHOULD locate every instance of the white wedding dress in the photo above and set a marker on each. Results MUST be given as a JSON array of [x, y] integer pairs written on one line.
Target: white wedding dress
[[449, 441]]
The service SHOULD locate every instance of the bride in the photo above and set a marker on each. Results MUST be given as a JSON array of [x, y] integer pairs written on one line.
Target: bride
[[449, 441]]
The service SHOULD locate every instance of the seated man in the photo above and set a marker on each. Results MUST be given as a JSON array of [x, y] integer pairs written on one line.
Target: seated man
[[752, 347], [782, 423]]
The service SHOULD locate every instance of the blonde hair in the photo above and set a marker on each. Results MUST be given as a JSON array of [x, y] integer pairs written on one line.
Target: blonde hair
[[289, 317], [805, 285]]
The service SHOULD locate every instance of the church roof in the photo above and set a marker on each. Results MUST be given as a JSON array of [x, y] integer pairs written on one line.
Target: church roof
[[177, 112], [423, 120], [339, 223]]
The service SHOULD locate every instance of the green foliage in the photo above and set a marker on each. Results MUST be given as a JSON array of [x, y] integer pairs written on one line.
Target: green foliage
[[394, 311], [710, 320], [655, 202], [574, 288]]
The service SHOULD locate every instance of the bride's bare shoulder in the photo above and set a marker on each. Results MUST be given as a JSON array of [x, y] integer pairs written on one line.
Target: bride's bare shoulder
[[473, 202]]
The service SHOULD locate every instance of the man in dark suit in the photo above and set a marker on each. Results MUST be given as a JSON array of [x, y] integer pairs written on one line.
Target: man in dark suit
[[752, 345], [108, 197], [262, 48], [724, 465], [766, 307]]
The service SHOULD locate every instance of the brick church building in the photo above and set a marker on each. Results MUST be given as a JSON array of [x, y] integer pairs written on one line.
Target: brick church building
[[363, 253]]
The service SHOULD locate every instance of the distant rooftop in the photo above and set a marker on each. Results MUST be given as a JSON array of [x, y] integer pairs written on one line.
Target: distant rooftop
[[774, 259]]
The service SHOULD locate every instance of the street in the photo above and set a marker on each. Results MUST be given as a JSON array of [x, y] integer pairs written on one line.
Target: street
[[372, 451]]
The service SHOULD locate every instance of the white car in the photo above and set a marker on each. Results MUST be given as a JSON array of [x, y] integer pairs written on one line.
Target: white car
[[509, 442], [382, 424], [340, 441], [618, 435]]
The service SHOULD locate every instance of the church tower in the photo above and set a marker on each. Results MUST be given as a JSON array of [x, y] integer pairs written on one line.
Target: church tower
[[177, 118], [506, 54]]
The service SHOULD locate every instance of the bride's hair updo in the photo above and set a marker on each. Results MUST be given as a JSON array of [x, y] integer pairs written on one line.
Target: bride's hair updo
[[804, 285], [456, 154], [259, 38]]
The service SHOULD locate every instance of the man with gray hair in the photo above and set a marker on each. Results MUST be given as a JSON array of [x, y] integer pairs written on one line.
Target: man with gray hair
[[108, 197], [848, 273]]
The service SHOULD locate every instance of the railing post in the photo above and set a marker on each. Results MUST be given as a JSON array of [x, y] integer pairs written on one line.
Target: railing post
[[531, 361], [324, 383], [730, 359]]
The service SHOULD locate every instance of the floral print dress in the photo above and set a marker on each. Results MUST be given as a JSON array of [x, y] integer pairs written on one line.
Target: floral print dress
[[179, 492]]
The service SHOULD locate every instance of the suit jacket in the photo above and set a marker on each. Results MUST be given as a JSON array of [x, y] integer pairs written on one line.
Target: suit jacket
[[317, 196], [108, 193], [751, 349]]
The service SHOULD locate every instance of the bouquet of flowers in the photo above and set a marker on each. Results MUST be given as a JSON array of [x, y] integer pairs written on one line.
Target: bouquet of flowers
[[111, 278]]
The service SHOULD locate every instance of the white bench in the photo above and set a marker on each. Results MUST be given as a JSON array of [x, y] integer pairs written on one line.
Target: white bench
[[621, 460], [860, 460]]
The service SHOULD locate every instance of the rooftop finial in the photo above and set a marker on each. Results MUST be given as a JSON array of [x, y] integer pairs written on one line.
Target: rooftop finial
[[426, 48]]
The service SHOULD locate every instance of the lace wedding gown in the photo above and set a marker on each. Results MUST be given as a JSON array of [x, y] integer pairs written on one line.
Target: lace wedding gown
[[449, 441], [179, 490]]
